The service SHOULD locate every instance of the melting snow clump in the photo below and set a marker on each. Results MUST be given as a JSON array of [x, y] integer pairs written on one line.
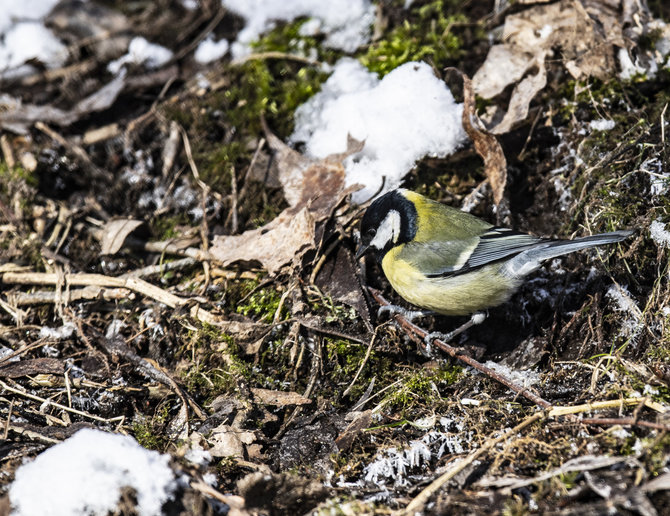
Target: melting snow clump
[[210, 50], [403, 117], [141, 52], [346, 23], [23, 37], [84, 475]]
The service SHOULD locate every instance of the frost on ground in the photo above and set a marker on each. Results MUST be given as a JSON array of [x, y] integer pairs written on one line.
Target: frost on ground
[[394, 464], [624, 303], [403, 117], [659, 234], [524, 377], [85, 474], [346, 23]]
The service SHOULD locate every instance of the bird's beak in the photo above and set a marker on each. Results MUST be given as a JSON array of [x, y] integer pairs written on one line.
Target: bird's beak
[[362, 249]]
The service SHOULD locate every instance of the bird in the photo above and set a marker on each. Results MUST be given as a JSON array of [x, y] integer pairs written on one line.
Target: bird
[[446, 261]]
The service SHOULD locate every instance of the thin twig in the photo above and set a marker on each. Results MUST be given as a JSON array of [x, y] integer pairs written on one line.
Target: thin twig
[[135, 284], [58, 405], [418, 334], [625, 421], [363, 362]]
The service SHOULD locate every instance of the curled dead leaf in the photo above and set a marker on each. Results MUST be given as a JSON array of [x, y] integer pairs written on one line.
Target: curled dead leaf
[[312, 188], [114, 234], [486, 144]]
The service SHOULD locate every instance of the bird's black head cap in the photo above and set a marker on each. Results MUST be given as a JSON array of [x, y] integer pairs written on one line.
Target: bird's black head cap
[[389, 221]]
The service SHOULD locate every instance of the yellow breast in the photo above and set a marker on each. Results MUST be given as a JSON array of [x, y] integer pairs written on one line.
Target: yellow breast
[[452, 295]]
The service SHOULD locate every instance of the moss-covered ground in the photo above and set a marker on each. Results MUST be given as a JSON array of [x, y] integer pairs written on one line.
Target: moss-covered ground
[[591, 327]]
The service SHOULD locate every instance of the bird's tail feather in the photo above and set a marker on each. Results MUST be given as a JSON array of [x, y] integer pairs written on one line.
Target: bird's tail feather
[[529, 260]]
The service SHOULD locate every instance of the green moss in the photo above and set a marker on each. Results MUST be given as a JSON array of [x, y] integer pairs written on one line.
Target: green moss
[[427, 35], [270, 87], [224, 125], [16, 174], [215, 364], [422, 387], [261, 304], [150, 432], [165, 227]]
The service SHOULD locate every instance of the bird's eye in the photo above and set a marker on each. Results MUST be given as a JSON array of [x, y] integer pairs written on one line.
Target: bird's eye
[[372, 232]]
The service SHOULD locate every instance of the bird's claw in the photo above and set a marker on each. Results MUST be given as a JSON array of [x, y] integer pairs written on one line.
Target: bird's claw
[[410, 315]]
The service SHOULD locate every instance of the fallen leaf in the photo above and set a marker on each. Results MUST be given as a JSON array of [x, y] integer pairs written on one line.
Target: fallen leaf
[[339, 279], [227, 441], [114, 234], [279, 398], [586, 36], [312, 188], [486, 144], [273, 245], [660, 483], [353, 430], [523, 93]]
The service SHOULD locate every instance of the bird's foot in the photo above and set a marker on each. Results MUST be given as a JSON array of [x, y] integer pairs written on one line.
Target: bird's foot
[[477, 318], [410, 315]]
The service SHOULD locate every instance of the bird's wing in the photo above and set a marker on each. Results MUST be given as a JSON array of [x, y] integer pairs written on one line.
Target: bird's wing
[[454, 257], [499, 243]]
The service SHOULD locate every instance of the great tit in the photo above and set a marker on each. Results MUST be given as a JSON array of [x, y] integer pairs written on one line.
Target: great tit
[[450, 262]]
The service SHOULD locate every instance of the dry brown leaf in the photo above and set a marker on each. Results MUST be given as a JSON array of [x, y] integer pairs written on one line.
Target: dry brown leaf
[[114, 234], [523, 93], [227, 441], [273, 245], [279, 398], [312, 188], [353, 430], [339, 279], [486, 144], [586, 34]]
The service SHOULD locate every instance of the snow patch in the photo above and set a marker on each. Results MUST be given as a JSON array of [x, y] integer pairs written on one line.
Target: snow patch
[[141, 52], [524, 377], [85, 474], [210, 50], [23, 37], [403, 117], [62, 333], [346, 23]]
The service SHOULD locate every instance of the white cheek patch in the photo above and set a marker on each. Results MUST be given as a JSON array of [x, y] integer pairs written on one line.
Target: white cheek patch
[[388, 230]]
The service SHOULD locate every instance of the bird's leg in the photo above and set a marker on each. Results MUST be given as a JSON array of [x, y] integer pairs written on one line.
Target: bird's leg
[[410, 315], [477, 318]]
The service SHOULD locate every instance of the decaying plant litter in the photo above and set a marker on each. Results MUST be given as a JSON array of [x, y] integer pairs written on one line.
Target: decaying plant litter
[[172, 269]]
